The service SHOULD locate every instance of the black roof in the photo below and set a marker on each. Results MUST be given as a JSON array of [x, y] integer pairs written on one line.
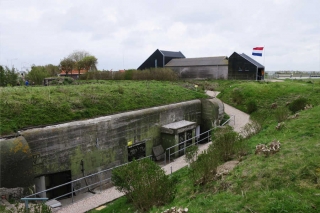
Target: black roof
[[252, 61], [172, 54]]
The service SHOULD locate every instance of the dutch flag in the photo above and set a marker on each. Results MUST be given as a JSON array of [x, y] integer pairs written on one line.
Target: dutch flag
[[257, 51]]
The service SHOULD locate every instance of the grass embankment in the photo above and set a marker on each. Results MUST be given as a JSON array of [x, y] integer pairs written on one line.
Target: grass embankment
[[288, 181], [23, 107]]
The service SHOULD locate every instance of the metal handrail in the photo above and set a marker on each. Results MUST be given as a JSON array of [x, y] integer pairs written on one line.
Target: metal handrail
[[30, 197], [183, 142], [26, 201]]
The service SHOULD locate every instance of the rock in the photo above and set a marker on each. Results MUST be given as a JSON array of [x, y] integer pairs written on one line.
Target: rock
[[274, 106]]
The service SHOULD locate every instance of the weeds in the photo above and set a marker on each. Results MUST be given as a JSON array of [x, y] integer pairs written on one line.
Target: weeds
[[251, 106], [144, 183], [281, 114]]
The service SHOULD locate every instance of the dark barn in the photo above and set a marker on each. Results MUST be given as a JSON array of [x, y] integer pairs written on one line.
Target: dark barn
[[242, 66], [159, 59], [200, 68]]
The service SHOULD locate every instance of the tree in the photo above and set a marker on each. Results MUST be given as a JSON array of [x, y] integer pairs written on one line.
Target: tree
[[67, 65], [8, 76], [79, 65], [90, 62], [52, 70], [78, 55], [37, 74]]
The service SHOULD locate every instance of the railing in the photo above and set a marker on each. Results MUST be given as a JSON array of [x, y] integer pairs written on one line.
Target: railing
[[73, 183], [207, 138], [26, 201]]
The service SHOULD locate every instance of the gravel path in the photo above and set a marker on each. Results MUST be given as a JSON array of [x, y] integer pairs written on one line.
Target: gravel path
[[92, 201]]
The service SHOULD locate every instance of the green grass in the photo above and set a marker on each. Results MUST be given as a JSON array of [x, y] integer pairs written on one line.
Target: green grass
[[288, 181], [23, 107]]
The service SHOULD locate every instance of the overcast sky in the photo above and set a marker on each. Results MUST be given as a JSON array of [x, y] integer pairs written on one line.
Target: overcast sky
[[123, 34]]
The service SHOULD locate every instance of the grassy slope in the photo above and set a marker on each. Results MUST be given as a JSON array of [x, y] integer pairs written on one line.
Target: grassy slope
[[32, 106], [288, 181]]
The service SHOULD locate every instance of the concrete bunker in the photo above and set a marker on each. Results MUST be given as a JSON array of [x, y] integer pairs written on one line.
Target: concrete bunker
[[176, 133], [102, 143]]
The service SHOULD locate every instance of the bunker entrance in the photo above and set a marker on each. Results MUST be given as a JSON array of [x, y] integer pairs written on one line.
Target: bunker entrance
[[57, 179], [136, 151]]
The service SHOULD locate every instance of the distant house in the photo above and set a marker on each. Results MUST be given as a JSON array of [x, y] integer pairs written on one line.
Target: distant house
[[242, 66], [73, 74], [200, 68], [159, 59]]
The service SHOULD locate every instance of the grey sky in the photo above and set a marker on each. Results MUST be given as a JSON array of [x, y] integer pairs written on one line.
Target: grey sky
[[122, 34]]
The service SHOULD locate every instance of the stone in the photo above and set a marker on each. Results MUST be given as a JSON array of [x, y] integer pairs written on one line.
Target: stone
[[158, 152]]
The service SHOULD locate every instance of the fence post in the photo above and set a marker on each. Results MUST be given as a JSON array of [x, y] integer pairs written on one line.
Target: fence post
[[169, 155], [100, 181], [72, 191], [26, 204], [208, 136], [165, 157]]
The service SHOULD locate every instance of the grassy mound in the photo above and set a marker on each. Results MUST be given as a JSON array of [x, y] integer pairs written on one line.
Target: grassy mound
[[23, 107]]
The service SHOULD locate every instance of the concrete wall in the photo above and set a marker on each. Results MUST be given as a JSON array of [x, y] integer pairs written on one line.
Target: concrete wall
[[101, 142], [202, 72]]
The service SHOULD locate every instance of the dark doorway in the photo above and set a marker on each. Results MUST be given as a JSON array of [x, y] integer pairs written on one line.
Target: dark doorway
[[189, 138], [260, 74], [181, 146], [57, 179], [136, 151]]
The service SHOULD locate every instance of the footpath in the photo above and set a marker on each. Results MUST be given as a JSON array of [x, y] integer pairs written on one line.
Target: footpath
[[88, 201]]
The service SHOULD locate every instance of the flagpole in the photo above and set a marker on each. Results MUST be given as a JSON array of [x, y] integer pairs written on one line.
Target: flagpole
[[264, 56]]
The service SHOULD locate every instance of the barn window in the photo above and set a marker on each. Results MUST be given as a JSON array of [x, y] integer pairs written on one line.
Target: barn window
[[246, 69], [240, 69]]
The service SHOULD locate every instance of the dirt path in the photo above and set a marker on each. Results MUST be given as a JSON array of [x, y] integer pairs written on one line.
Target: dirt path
[[92, 201]]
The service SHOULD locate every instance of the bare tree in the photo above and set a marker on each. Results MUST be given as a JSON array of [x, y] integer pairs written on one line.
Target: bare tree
[[78, 55]]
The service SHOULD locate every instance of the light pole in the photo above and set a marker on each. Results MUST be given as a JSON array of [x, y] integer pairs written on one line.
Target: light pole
[[13, 60]]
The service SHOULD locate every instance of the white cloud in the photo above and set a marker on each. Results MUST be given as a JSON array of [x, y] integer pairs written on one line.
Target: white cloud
[[122, 34]]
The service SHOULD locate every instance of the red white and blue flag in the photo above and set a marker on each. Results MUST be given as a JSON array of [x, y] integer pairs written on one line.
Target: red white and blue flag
[[257, 51]]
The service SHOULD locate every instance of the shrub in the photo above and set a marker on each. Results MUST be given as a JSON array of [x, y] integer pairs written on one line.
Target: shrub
[[227, 143], [144, 183], [191, 154], [204, 168], [237, 96], [298, 104], [281, 114], [251, 106]]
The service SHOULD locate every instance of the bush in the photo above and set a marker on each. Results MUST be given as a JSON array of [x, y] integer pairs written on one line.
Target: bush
[[159, 74], [251, 106], [191, 154], [62, 81], [144, 183], [204, 168], [227, 144], [237, 96], [298, 104], [281, 114]]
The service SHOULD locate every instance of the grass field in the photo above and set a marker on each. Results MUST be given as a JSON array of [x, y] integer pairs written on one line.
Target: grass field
[[288, 181], [23, 107]]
